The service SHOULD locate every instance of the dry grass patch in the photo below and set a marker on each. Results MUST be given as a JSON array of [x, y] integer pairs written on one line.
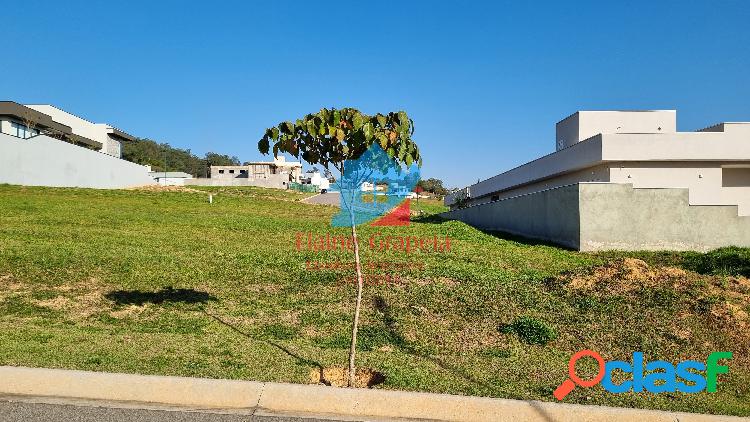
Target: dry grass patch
[[78, 301], [624, 275], [160, 188], [725, 298]]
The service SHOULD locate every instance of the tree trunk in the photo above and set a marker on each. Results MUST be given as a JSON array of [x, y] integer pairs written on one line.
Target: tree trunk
[[355, 323]]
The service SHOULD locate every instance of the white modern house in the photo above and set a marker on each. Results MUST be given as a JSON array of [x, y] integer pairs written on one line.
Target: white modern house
[[109, 136], [623, 180], [311, 177], [41, 145]]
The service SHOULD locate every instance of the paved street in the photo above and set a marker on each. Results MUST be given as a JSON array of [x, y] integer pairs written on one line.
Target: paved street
[[330, 198], [25, 411]]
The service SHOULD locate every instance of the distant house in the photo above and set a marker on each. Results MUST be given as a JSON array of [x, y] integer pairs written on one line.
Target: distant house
[[312, 177], [367, 187], [260, 170], [273, 174], [170, 178]]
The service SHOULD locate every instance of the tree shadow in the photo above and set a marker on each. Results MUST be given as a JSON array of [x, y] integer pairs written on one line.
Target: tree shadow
[[165, 295], [402, 343], [733, 261], [430, 219], [300, 360], [527, 241]]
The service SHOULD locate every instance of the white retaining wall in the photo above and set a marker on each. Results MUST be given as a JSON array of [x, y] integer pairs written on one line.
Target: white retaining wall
[[45, 161]]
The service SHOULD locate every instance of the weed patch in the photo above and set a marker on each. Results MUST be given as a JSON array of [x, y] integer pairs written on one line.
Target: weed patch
[[530, 330]]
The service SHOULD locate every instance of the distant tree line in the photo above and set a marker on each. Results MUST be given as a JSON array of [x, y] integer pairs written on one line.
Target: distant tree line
[[434, 186], [156, 155]]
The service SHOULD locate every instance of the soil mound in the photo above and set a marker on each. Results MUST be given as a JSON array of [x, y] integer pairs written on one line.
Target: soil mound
[[338, 377]]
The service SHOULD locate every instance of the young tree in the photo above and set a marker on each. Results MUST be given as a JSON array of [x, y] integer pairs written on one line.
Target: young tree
[[332, 137]]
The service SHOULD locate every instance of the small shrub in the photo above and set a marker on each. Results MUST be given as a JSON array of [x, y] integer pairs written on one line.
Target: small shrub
[[530, 330]]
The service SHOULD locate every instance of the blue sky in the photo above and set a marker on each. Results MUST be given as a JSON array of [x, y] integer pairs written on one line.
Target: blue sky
[[485, 82]]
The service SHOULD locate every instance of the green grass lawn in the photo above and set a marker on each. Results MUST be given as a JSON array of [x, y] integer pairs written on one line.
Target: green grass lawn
[[157, 282]]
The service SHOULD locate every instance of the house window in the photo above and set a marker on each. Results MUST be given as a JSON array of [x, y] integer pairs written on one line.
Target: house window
[[231, 171], [735, 177], [243, 171], [221, 171], [19, 130]]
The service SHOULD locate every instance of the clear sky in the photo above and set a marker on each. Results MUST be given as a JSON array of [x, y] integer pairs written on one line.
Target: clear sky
[[485, 82]]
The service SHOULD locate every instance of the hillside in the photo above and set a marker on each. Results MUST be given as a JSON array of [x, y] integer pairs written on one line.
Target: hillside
[[162, 282]]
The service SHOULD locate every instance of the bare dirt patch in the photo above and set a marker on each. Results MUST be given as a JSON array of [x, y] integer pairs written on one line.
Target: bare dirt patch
[[339, 377], [9, 285]]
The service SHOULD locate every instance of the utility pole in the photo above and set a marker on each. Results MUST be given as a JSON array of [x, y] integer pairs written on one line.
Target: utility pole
[[165, 167]]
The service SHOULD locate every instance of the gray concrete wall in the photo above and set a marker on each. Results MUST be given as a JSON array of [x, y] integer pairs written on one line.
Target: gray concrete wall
[[277, 181], [550, 215], [603, 216], [44, 161], [616, 216]]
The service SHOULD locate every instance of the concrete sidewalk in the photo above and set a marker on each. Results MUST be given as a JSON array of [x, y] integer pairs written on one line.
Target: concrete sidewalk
[[258, 398]]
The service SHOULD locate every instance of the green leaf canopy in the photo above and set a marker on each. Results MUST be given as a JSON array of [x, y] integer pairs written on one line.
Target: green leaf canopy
[[332, 136]]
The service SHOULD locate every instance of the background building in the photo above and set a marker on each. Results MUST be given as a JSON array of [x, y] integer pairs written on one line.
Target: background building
[[110, 137], [271, 174], [37, 149], [623, 180], [171, 178]]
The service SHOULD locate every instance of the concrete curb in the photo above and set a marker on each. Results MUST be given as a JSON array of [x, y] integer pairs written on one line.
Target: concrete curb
[[176, 391], [275, 398]]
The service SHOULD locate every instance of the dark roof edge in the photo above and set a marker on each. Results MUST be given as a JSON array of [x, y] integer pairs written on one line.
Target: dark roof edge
[[44, 121], [19, 111], [122, 135]]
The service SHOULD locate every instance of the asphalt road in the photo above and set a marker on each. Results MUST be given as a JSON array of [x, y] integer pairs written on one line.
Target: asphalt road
[[330, 198], [25, 411]]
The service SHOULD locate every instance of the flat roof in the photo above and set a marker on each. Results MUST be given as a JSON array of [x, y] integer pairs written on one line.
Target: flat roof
[[621, 147], [615, 111], [111, 129], [122, 135], [175, 174], [23, 113], [265, 163], [19, 111]]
